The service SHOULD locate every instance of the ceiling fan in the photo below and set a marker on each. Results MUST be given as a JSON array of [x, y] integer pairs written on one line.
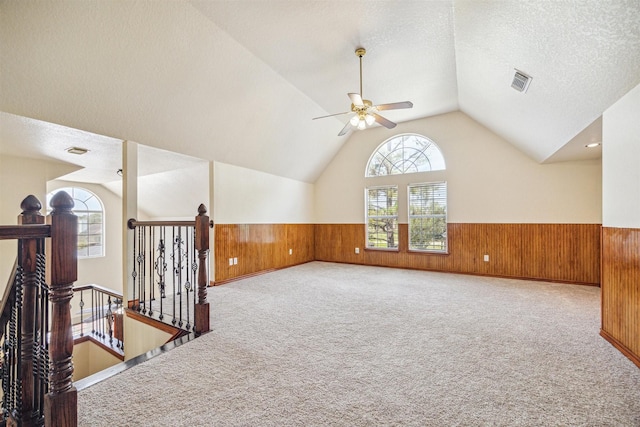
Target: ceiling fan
[[366, 114]]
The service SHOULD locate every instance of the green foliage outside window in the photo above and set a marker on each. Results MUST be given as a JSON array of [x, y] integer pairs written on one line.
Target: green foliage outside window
[[382, 214], [428, 217]]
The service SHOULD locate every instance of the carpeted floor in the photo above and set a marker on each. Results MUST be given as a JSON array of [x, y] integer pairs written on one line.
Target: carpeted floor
[[326, 344]]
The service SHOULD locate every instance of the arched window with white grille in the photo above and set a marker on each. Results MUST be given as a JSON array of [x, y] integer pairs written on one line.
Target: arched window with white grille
[[427, 201], [407, 153], [90, 212]]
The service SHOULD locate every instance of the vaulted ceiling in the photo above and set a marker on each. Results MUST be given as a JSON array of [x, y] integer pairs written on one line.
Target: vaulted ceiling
[[239, 81]]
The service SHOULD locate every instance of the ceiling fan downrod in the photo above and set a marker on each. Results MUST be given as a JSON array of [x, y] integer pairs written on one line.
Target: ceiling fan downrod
[[360, 52]]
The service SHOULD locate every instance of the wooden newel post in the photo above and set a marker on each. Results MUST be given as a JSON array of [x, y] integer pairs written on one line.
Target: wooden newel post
[[28, 250], [202, 246], [61, 403]]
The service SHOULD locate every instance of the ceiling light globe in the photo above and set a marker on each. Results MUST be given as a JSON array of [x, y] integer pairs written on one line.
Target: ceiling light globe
[[362, 124], [354, 121], [369, 119]]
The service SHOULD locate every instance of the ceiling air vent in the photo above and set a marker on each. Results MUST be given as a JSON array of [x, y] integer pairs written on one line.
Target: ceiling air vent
[[520, 81]]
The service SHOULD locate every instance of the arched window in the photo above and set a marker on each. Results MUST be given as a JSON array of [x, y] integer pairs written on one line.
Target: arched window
[[406, 153], [427, 201], [90, 212]]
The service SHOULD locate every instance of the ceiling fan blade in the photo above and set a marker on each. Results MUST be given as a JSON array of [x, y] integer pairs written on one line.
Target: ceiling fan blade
[[331, 115], [356, 99], [345, 129], [394, 106], [384, 122]]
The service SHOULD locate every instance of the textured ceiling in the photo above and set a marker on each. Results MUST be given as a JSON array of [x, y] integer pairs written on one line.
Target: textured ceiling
[[239, 81]]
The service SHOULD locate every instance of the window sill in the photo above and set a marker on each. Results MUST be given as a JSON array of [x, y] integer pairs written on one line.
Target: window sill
[[418, 251], [382, 249]]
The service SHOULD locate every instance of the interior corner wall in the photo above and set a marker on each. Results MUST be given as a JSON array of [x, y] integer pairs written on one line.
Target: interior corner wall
[[621, 225], [247, 196], [105, 271], [262, 221]]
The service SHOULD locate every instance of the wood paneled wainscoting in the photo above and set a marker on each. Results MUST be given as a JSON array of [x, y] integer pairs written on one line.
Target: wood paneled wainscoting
[[621, 290], [555, 252], [260, 247]]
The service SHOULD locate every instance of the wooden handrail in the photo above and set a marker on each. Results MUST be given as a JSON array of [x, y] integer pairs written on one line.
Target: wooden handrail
[[28, 231], [102, 289], [132, 223]]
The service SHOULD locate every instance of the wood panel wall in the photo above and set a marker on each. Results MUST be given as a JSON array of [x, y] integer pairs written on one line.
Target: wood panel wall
[[260, 247], [621, 290], [557, 252]]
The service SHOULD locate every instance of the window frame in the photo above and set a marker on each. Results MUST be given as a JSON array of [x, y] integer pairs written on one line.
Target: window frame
[[396, 217], [410, 216], [82, 253]]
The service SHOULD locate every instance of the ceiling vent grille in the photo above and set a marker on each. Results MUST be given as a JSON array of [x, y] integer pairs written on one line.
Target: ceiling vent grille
[[520, 81]]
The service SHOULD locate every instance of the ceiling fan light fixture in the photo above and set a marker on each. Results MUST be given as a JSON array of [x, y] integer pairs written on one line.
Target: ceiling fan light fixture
[[364, 111]]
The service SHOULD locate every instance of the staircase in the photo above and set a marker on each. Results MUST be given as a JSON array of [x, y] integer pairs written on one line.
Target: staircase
[[37, 329]]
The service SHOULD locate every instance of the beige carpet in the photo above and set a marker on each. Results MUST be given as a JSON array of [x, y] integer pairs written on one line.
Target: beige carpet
[[341, 345]]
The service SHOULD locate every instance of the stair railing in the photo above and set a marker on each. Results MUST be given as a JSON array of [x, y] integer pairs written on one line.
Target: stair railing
[[36, 317], [170, 271], [99, 316]]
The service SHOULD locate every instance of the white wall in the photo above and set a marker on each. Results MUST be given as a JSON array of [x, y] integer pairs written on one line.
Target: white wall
[[89, 358], [246, 196], [107, 270], [20, 177], [621, 162], [488, 180], [140, 338]]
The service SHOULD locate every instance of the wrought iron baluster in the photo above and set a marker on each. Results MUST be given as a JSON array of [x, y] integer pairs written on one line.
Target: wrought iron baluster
[[109, 320], [16, 365], [160, 269], [173, 276], [190, 277], [143, 249], [180, 243], [40, 348], [93, 312], [81, 304], [134, 273], [150, 278]]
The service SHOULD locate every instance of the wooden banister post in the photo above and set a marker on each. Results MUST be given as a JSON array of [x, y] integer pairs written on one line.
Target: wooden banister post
[[61, 403], [202, 246], [28, 250]]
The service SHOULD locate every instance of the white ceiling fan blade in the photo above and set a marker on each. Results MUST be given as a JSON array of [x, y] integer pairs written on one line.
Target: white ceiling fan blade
[[394, 106], [331, 115], [356, 99], [345, 129], [384, 122]]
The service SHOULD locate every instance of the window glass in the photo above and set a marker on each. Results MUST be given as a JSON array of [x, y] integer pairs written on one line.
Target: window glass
[[428, 216], [382, 217]]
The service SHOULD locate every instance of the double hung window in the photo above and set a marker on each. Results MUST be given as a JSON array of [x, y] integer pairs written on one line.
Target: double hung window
[[382, 217]]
